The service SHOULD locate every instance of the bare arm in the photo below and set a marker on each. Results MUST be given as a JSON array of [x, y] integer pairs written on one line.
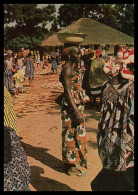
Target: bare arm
[[67, 75]]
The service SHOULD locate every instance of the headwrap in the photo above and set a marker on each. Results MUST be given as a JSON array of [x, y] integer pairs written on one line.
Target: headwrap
[[112, 64], [98, 52], [124, 57], [67, 50]]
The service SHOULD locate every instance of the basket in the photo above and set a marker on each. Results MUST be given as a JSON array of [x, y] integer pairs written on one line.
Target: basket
[[73, 38]]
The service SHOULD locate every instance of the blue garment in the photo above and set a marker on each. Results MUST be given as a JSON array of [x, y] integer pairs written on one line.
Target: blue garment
[[29, 71], [54, 65]]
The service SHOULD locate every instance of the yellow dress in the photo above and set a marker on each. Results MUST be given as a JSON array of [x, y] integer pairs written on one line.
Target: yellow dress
[[9, 114], [19, 78]]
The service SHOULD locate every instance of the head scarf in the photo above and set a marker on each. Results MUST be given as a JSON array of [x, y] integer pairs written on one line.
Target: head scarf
[[98, 53], [67, 50], [119, 64]]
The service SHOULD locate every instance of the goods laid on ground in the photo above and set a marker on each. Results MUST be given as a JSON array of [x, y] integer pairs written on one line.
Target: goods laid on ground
[[38, 99]]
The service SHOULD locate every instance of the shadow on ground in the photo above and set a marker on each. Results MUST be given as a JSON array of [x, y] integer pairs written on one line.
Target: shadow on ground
[[89, 129], [114, 180], [41, 183], [92, 144], [92, 114], [41, 154], [54, 113], [49, 73]]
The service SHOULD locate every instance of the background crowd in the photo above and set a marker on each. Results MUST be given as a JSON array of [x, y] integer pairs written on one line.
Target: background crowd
[[17, 67]]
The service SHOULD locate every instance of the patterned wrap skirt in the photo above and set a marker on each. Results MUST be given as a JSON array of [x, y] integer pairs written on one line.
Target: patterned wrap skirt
[[29, 71], [17, 171], [74, 147], [8, 79], [54, 65]]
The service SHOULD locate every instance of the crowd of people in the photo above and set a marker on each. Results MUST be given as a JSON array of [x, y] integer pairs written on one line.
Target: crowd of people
[[18, 67], [86, 74]]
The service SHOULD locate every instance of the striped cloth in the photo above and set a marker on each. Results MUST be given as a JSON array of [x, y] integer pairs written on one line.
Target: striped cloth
[[9, 114], [96, 91], [8, 78], [115, 136]]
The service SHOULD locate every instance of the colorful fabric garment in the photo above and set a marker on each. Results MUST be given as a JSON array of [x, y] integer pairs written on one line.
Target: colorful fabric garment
[[17, 171], [20, 63], [29, 71], [78, 94], [74, 146], [19, 78], [9, 114], [54, 65], [8, 79], [115, 135], [96, 74]]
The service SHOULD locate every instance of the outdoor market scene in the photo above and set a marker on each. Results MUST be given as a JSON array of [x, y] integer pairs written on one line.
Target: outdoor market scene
[[68, 97]]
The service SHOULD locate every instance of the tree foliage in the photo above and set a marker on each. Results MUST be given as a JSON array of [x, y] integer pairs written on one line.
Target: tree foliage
[[30, 24], [117, 16], [31, 21]]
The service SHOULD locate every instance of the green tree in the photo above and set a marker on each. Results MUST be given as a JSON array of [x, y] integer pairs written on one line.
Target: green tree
[[30, 25], [127, 20], [54, 26], [69, 14], [117, 16], [110, 16]]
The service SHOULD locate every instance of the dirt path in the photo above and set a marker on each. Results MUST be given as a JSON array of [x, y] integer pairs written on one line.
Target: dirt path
[[39, 123]]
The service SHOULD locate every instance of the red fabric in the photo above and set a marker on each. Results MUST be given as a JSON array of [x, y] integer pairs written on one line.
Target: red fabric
[[125, 54], [46, 62], [19, 54], [66, 50], [98, 52], [131, 52], [120, 49], [127, 72]]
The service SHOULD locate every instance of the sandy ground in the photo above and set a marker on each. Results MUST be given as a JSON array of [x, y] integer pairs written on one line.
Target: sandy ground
[[40, 133]]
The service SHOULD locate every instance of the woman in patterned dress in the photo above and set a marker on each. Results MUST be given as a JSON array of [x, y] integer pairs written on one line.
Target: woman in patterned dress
[[7, 72], [115, 135], [16, 168], [54, 63], [74, 147], [29, 71]]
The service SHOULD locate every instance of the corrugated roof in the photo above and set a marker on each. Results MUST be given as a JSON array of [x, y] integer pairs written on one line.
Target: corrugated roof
[[97, 33]]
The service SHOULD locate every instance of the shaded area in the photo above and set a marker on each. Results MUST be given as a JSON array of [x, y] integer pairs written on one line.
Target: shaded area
[[26, 85], [94, 106], [114, 180], [48, 73], [91, 130], [41, 154], [56, 92], [41, 183], [92, 144], [92, 115], [54, 113], [56, 106]]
